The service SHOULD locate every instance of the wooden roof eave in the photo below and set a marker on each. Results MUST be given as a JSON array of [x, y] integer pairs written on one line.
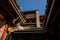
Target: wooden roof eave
[[49, 13], [16, 9], [4, 10]]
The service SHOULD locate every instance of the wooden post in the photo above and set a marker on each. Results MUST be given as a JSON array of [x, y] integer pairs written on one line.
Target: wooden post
[[37, 19]]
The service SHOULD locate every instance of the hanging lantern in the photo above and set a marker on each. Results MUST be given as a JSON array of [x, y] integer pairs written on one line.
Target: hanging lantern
[[30, 20], [1, 17], [42, 17], [22, 13]]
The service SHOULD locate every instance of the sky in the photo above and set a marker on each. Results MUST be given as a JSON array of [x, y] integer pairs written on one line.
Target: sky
[[33, 5]]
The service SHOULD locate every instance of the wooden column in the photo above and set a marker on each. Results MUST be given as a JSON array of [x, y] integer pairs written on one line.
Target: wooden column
[[37, 19]]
